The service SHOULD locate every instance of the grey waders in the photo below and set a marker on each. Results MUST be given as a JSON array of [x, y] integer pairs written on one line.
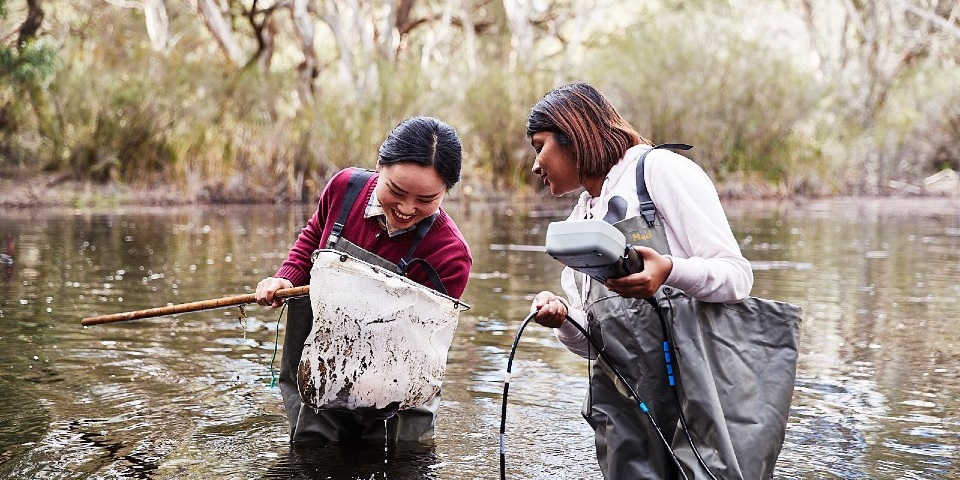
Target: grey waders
[[734, 366]]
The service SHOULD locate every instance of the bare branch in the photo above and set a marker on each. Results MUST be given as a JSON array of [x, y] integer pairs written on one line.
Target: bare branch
[[220, 30], [931, 17]]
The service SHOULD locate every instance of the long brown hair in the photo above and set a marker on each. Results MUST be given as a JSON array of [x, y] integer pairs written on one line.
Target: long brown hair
[[579, 115]]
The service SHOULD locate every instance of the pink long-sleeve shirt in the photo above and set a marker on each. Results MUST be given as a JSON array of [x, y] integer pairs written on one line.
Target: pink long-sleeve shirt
[[444, 247]]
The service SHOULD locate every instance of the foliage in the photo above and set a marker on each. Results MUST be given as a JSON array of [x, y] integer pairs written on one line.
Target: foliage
[[739, 101], [496, 125], [174, 106], [24, 72], [31, 64]]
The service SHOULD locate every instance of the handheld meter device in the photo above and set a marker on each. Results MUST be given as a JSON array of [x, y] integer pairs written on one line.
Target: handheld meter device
[[593, 247]]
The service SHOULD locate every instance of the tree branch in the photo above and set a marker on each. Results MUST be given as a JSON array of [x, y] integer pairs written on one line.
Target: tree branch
[[31, 25]]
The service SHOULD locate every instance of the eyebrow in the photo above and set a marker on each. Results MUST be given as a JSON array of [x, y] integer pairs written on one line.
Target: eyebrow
[[394, 186]]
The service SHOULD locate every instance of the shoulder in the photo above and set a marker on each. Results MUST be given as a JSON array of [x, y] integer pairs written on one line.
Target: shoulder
[[338, 181], [667, 163], [341, 178], [448, 227], [447, 235], [337, 185], [668, 173]]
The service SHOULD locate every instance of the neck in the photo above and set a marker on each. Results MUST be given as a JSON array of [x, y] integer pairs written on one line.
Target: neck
[[593, 185]]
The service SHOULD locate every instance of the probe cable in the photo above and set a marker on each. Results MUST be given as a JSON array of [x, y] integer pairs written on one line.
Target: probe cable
[[616, 371], [674, 379]]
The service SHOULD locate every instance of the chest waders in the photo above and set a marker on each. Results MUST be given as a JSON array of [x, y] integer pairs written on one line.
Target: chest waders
[[732, 370], [306, 423]]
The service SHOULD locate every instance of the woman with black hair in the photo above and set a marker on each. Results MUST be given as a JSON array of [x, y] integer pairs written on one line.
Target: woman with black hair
[[395, 215]]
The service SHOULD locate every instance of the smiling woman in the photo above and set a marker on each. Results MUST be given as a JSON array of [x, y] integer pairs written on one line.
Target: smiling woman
[[391, 218], [408, 193]]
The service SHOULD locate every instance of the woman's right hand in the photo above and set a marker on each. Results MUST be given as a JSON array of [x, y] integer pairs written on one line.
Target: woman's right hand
[[551, 310], [268, 287]]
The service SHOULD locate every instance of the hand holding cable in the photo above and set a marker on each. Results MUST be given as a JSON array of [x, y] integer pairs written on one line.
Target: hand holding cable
[[551, 310]]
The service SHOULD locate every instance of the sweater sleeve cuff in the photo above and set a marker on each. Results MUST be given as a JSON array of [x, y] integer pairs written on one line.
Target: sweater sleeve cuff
[[296, 277], [683, 277]]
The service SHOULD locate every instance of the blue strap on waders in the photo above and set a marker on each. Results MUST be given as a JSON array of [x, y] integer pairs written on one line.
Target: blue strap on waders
[[358, 180], [647, 209]]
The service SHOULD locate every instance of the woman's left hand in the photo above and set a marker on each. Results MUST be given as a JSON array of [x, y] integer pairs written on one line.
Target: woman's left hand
[[656, 269]]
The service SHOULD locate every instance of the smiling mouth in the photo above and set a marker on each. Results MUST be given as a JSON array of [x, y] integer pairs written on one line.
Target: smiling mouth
[[401, 217]]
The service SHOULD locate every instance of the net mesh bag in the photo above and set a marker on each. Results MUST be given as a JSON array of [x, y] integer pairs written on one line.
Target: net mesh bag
[[379, 341]]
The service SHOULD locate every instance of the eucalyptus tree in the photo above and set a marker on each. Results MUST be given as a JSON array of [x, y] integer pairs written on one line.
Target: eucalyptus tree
[[893, 68]]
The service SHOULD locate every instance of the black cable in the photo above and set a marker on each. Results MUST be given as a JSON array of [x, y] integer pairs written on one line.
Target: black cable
[[506, 388], [616, 371], [668, 352]]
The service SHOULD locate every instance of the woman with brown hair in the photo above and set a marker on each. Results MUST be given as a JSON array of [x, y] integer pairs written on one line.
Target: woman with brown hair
[[670, 212]]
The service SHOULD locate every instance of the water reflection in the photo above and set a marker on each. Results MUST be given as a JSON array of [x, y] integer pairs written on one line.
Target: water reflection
[[369, 460], [190, 396]]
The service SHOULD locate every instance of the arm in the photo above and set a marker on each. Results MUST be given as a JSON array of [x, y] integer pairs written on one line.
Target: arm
[[553, 312], [295, 270], [706, 260]]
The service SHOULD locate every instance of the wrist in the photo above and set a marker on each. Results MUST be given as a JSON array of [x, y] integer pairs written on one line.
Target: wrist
[[565, 303]]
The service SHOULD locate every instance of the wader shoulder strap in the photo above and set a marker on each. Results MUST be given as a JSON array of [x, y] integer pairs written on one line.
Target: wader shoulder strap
[[358, 179], [647, 208]]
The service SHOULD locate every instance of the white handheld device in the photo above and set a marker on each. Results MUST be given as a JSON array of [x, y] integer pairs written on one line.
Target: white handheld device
[[593, 247]]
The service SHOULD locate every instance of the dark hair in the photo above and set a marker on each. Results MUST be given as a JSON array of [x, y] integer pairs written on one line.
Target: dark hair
[[427, 141], [579, 115]]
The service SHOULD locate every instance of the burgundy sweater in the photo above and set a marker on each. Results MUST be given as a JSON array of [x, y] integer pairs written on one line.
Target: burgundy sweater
[[443, 247]]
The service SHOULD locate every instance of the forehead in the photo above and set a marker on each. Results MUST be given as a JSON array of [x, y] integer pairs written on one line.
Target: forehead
[[541, 137], [413, 178]]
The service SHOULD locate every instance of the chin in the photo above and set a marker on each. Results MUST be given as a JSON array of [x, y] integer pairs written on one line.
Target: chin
[[397, 225]]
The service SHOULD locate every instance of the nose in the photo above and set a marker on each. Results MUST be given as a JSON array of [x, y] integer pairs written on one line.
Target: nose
[[536, 167], [406, 209]]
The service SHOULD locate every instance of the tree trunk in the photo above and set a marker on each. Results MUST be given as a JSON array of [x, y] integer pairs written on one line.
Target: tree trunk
[[158, 27], [521, 31], [220, 29], [334, 19], [32, 23], [308, 69]]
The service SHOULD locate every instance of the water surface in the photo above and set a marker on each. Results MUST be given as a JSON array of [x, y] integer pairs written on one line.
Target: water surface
[[190, 396]]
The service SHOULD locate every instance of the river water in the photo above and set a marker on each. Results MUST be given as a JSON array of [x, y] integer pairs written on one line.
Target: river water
[[190, 396]]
